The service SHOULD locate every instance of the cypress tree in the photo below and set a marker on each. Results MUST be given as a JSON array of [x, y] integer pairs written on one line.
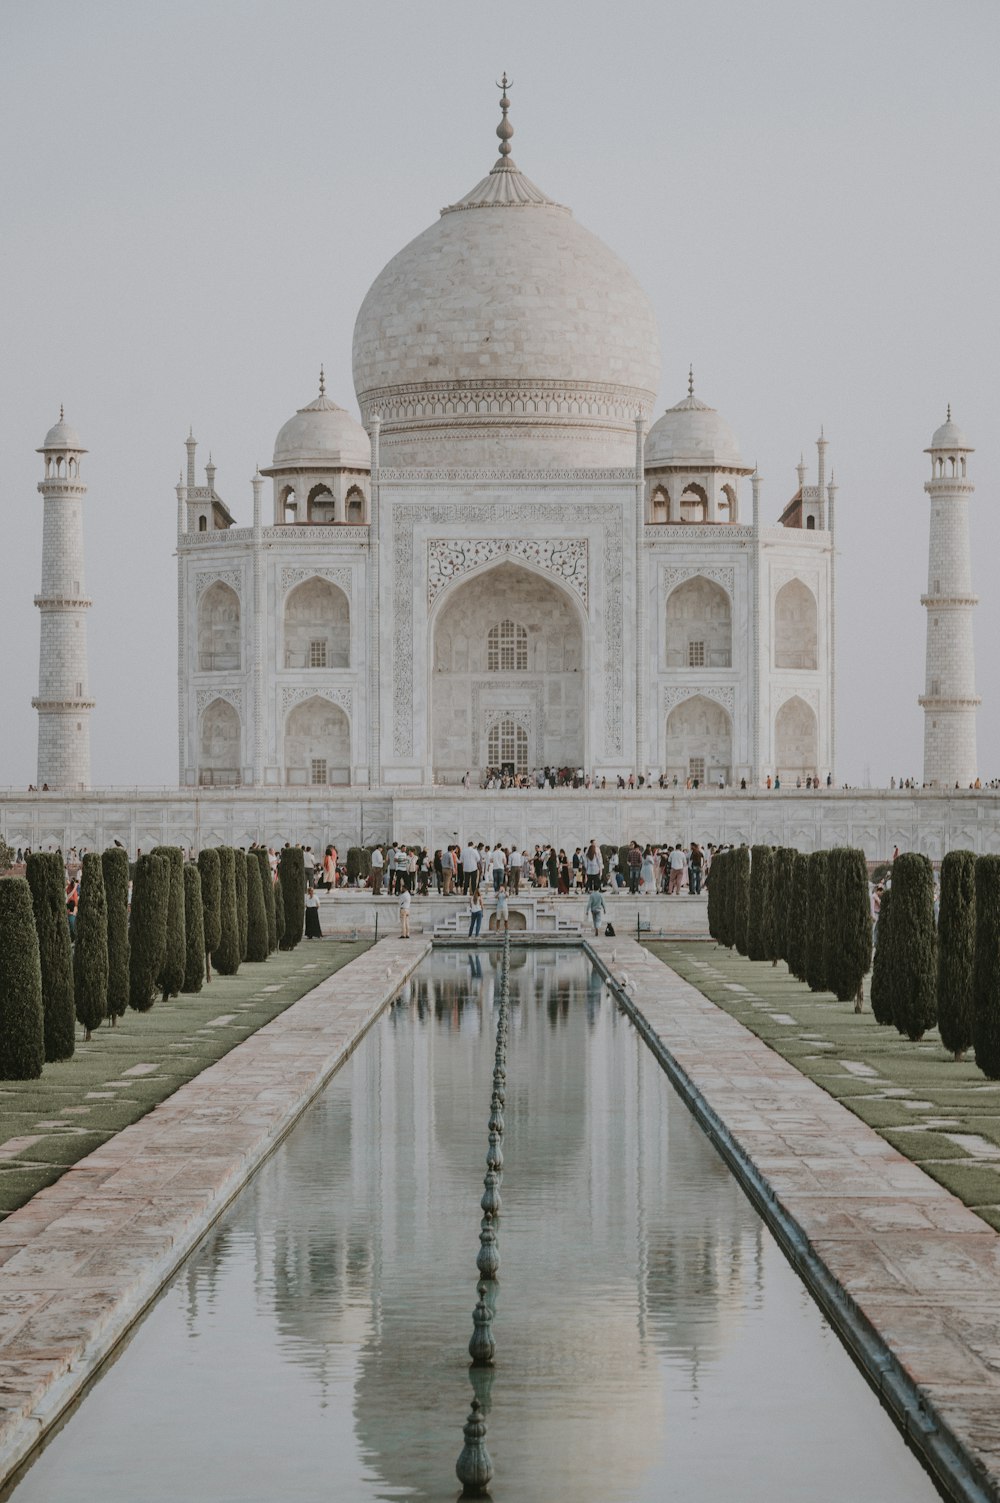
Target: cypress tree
[[267, 892], [114, 864], [727, 924], [913, 978], [761, 898], [739, 877], [171, 977], [211, 903], [782, 882], [713, 882], [815, 944], [986, 972], [798, 918], [882, 963], [848, 925], [47, 879], [194, 930], [90, 953], [147, 929], [957, 951], [279, 910], [292, 884], [226, 956], [22, 1021], [256, 913], [242, 917]]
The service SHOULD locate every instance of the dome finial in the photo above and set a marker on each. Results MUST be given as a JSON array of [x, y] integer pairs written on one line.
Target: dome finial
[[322, 382], [505, 130], [62, 419], [948, 419], [690, 380]]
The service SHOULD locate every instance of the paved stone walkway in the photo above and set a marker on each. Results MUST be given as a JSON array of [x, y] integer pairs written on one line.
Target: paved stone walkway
[[909, 1275], [83, 1258]]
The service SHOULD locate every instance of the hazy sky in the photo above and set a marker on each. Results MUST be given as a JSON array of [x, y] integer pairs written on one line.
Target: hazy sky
[[196, 195]]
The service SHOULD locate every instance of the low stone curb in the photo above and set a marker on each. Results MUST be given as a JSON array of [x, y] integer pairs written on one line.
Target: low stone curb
[[82, 1260], [907, 1275]]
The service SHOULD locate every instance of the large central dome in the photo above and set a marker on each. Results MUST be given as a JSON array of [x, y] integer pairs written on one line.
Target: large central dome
[[506, 334]]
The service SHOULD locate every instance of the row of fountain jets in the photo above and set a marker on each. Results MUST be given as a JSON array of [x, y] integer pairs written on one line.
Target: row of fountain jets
[[474, 1467]]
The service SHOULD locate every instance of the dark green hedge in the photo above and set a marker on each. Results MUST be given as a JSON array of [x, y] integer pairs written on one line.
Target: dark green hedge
[[986, 972], [882, 963], [211, 902], [171, 977], [761, 903], [957, 952], [22, 1022], [242, 914], [194, 931], [148, 929], [90, 953], [798, 918], [267, 890], [913, 976], [257, 943], [46, 876], [226, 955], [738, 881], [848, 924], [114, 863], [292, 884]]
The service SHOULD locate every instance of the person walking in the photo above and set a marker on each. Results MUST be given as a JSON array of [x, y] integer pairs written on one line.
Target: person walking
[[404, 913], [475, 914], [596, 908], [503, 910]]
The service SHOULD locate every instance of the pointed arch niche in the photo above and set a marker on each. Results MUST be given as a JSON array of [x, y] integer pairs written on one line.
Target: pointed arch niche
[[317, 626], [700, 741], [699, 625], [219, 629], [317, 744], [795, 740], [795, 626], [507, 646], [219, 745]]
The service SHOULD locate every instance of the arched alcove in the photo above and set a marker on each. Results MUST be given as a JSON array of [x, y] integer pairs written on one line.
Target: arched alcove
[[795, 740], [317, 744], [699, 625], [355, 506], [795, 629], [317, 626], [288, 505], [699, 740], [219, 745], [507, 644], [219, 629], [659, 505], [321, 505], [694, 504], [726, 504]]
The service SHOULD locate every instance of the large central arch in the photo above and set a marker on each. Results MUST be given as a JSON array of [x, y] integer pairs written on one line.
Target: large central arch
[[508, 646]]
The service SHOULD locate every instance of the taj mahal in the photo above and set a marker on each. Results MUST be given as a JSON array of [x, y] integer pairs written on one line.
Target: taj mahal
[[515, 559]]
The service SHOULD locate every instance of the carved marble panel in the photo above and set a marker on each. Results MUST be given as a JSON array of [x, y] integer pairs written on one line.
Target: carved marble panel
[[233, 696], [295, 694], [293, 576], [674, 576], [231, 577], [723, 694], [449, 558]]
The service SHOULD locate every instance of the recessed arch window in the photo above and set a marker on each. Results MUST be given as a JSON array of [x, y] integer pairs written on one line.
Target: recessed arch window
[[507, 746], [507, 648]]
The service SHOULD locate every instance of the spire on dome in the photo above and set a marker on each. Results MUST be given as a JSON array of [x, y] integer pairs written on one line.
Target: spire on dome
[[505, 130], [62, 418], [947, 419], [690, 380], [322, 382]]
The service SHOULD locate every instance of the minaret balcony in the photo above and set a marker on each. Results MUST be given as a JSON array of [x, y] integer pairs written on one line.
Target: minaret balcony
[[943, 602], [62, 602], [939, 702]]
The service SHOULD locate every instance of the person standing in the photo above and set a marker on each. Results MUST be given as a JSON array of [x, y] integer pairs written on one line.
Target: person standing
[[634, 867], [404, 913], [470, 869], [514, 869], [678, 862], [593, 866], [313, 930], [475, 914], [498, 865], [503, 909], [447, 870], [378, 862], [596, 908], [695, 863]]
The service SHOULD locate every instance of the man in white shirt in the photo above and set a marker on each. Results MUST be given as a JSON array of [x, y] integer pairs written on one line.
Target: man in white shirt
[[514, 869], [497, 865], [470, 869], [447, 871], [378, 863], [678, 866]]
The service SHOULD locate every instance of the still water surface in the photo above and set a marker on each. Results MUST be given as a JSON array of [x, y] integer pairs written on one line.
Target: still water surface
[[652, 1342]]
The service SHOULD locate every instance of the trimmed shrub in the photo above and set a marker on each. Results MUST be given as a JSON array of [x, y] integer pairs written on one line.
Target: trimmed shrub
[[882, 963], [267, 892], [359, 865], [257, 944], [211, 903], [22, 1021], [90, 953], [46, 876], [226, 955], [798, 918], [722, 875], [957, 951], [7, 854], [194, 930], [713, 886], [761, 899], [147, 929], [815, 941], [986, 972], [242, 920], [292, 888], [279, 908], [782, 887], [739, 878], [114, 865], [913, 977], [848, 925], [171, 977]]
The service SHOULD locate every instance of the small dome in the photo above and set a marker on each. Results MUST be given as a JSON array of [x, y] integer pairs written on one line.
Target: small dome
[[949, 436], [323, 434], [62, 436], [692, 435]]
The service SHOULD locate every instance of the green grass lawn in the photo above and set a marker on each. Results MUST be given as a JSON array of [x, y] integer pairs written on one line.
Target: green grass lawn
[[48, 1124], [943, 1115]]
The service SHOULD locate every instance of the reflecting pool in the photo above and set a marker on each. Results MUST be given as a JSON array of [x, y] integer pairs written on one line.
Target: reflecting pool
[[652, 1342]]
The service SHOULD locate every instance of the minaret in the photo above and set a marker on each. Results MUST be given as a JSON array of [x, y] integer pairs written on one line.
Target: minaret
[[63, 702], [949, 700]]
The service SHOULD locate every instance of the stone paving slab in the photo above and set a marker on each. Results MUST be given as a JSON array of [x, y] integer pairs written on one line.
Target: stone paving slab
[[908, 1275], [82, 1259]]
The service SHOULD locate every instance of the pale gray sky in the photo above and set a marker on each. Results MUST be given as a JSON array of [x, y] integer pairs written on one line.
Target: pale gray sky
[[197, 194]]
